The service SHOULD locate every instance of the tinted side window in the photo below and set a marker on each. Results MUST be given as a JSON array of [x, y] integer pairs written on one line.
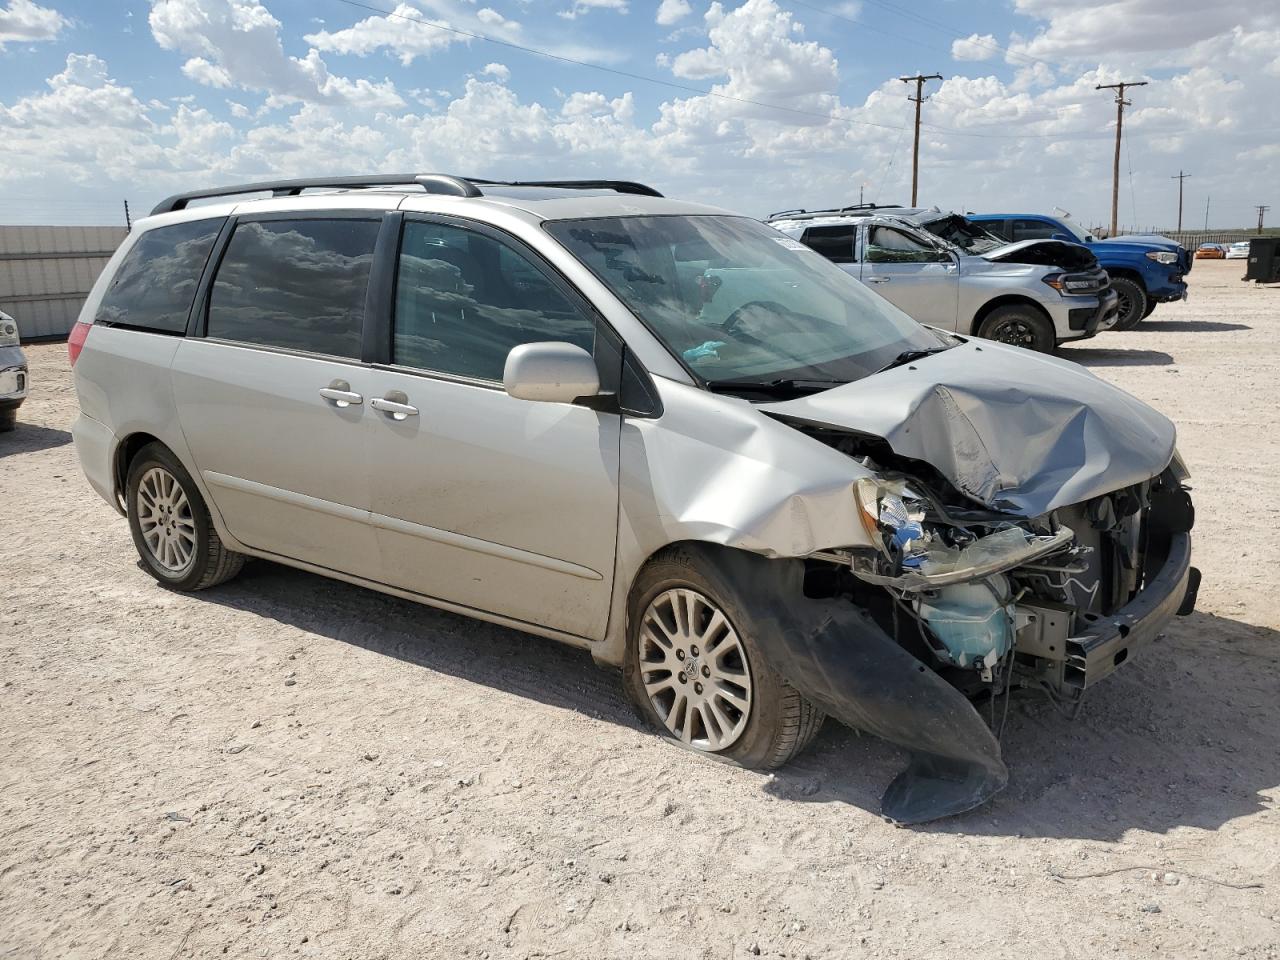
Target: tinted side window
[[156, 282], [295, 283], [463, 300], [886, 245], [834, 243], [1033, 230]]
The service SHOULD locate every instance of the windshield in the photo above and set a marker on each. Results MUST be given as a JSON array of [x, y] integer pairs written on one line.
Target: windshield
[[965, 234], [1080, 233], [739, 301]]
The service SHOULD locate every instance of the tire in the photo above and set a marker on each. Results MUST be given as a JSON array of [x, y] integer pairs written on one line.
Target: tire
[[171, 527], [1021, 326], [1132, 306], [8, 419], [1151, 308], [778, 722]]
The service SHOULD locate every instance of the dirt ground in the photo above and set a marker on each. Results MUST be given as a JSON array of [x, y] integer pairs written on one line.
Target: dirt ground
[[287, 765]]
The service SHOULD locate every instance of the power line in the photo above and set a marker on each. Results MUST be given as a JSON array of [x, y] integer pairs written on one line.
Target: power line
[[950, 31], [616, 72], [1121, 103], [918, 99]]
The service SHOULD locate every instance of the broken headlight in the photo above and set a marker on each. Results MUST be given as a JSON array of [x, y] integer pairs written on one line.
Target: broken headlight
[[893, 517]]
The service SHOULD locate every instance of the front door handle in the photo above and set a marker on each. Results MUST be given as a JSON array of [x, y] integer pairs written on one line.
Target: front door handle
[[395, 404], [878, 279], [339, 391]]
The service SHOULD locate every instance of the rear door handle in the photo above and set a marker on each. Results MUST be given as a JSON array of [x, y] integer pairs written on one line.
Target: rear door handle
[[878, 279], [339, 391], [395, 404]]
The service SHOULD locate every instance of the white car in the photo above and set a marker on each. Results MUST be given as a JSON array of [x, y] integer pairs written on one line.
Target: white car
[[13, 373], [1238, 250]]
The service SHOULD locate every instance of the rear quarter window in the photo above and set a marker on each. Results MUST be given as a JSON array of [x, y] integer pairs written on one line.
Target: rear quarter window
[[156, 282]]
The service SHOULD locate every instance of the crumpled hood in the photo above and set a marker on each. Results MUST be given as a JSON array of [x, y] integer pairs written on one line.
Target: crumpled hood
[[1017, 431]]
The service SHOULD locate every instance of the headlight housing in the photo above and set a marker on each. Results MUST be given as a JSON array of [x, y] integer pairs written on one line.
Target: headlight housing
[[893, 517], [8, 333], [1162, 256]]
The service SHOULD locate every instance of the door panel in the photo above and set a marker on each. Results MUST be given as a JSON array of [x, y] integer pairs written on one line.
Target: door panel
[[505, 505], [273, 399], [286, 468], [480, 499], [911, 275]]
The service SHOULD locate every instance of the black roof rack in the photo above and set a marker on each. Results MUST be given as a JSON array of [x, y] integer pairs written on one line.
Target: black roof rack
[[437, 183], [802, 214]]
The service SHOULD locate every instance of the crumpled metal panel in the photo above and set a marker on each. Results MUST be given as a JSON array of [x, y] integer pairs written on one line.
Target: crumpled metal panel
[[1014, 430]]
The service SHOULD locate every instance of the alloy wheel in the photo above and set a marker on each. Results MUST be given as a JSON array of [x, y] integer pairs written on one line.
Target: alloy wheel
[[694, 669], [164, 517], [1017, 333]]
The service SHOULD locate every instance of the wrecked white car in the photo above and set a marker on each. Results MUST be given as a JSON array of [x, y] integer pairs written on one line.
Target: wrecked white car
[[665, 434]]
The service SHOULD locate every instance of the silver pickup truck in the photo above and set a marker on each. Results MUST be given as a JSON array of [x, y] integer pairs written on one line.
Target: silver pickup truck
[[1035, 294]]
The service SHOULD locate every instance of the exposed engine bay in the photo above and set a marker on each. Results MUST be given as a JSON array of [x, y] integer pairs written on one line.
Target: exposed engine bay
[[993, 599]]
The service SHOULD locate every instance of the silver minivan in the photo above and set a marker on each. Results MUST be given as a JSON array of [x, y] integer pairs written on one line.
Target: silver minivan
[[668, 435]]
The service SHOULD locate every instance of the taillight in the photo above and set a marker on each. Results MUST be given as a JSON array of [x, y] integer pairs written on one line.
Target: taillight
[[75, 342]]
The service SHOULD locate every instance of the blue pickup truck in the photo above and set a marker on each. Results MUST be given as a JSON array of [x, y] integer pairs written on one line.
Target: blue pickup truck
[[1144, 270]]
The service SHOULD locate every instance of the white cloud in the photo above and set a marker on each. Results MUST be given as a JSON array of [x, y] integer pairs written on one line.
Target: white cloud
[[409, 33], [582, 7], [25, 22], [1135, 32], [1034, 140], [672, 11], [974, 47], [237, 43]]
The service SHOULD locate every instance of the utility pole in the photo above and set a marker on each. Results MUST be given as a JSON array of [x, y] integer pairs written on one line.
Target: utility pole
[[1261, 212], [1207, 198], [1180, 177], [919, 98], [1121, 103]]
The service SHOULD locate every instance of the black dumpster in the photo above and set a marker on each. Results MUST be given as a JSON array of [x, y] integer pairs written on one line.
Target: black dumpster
[[1264, 260]]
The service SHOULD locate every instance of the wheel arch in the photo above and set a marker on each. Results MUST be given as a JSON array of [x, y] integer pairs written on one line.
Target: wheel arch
[[1128, 273], [126, 450], [1006, 300]]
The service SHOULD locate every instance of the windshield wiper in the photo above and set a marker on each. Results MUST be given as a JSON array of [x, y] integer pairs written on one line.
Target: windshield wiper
[[784, 385], [907, 356]]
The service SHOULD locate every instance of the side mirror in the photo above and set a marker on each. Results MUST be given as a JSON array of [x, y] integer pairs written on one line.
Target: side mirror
[[1064, 238], [550, 372]]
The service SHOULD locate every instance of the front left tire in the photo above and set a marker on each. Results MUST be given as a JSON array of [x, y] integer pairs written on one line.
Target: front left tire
[[172, 530], [695, 671]]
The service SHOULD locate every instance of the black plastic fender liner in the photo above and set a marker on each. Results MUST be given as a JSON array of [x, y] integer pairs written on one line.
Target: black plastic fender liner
[[838, 656]]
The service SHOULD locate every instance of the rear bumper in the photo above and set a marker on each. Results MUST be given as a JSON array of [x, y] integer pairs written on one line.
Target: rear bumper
[[95, 446], [1108, 641]]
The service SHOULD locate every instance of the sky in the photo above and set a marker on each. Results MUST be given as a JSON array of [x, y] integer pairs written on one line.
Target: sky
[[754, 106]]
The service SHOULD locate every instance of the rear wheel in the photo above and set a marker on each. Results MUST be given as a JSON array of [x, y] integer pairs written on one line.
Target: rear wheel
[[1020, 326], [170, 523], [696, 673], [1132, 306]]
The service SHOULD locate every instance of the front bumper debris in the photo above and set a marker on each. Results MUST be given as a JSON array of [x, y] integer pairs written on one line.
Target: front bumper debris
[[1108, 641]]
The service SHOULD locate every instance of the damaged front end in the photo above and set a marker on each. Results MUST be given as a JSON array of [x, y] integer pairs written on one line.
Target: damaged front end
[[988, 601]]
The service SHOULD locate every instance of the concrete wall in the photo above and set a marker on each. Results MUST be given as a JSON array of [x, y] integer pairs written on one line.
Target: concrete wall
[[46, 273]]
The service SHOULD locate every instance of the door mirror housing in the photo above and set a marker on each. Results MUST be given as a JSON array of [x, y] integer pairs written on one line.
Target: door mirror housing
[[550, 372]]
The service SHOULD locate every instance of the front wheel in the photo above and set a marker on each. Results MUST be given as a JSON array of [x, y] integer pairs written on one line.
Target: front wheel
[[8, 419], [695, 671], [1132, 306], [1019, 326], [170, 523]]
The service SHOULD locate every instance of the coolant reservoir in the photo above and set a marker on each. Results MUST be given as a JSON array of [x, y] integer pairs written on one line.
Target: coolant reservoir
[[970, 621]]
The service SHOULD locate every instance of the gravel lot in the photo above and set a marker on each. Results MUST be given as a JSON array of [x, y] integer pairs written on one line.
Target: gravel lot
[[291, 766]]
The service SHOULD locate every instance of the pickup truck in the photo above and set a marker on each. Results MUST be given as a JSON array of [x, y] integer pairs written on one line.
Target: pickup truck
[[1144, 270]]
